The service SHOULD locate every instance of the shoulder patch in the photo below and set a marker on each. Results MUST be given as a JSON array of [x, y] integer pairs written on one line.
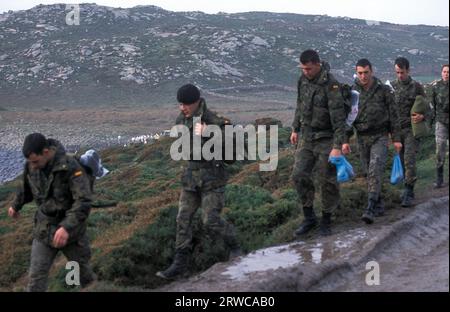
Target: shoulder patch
[[78, 173]]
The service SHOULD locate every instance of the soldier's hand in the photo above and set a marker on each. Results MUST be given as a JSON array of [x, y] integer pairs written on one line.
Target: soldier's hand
[[417, 118], [61, 237], [346, 149], [335, 152], [398, 146], [199, 128], [294, 138], [12, 213]]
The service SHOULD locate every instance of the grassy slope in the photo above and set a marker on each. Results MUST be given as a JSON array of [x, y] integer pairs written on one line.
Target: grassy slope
[[135, 238]]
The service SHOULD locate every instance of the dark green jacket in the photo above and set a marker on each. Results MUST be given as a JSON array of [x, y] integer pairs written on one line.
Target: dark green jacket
[[405, 96], [438, 98], [202, 174], [320, 109], [63, 198], [377, 113]]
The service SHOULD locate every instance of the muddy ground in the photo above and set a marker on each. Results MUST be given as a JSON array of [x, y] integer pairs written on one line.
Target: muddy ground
[[410, 247]]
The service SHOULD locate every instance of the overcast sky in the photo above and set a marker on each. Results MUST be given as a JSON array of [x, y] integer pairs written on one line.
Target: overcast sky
[[429, 12]]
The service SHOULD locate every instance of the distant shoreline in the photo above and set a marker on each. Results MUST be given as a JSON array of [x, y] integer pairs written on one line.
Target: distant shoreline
[[11, 165]]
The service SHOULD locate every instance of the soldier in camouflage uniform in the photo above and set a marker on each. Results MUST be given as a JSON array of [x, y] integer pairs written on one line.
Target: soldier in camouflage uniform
[[377, 118], [203, 185], [406, 90], [439, 103], [320, 119], [62, 192]]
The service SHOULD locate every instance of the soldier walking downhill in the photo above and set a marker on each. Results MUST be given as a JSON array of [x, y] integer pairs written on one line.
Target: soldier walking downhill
[[377, 118], [439, 103], [318, 129], [62, 191], [406, 90], [203, 183]]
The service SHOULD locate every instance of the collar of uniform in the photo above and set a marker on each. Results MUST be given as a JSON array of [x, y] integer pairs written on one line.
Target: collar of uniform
[[321, 78], [406, 82], [376, 83], [60, 163]]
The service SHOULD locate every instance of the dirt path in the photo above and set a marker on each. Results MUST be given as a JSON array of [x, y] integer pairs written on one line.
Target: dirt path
[[412, 254]]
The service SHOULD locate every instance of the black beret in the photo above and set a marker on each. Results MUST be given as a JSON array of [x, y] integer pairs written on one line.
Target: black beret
[[188, 94]]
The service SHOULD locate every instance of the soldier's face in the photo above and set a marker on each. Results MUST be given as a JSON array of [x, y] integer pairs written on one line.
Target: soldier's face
[[310, 70], [445, 73], [37, 161], [188, 109], [364, 75], [402, 74]]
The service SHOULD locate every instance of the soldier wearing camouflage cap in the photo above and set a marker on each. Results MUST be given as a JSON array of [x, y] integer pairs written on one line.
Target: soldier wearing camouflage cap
[[62, 191]]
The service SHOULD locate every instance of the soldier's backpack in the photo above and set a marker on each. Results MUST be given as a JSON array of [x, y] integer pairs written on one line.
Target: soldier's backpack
[[92, 165], [351, 101]]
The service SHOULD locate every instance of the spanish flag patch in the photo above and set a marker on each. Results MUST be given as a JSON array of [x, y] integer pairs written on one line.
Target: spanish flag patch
[[78, 173]]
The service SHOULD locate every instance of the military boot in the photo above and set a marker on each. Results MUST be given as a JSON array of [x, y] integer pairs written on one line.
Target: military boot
[[309, 223], [439, 177], [369, 215], [380, 208], [235, 249], [325, 224], [408, 195], [178, 266]]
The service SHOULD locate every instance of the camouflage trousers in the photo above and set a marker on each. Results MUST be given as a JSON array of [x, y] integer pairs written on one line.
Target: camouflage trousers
[[373, 152], [408, 155], [211, 202], [441, 143], [43, 256], [313, 157]]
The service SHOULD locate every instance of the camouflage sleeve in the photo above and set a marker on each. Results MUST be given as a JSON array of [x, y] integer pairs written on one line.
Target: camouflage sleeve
[[393, 116], [336, 106], [432, 101], [348, 134], [296, 125], [82, 198], [23, 193]]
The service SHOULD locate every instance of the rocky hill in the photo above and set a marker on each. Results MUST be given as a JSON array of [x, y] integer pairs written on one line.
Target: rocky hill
[[140, 55]]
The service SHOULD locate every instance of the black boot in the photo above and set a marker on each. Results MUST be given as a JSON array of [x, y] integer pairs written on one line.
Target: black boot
[[408, 195], [369, 215], [379, 208], [309, 223], [178, 266], [325, 224], [439, 177], [235, 249]]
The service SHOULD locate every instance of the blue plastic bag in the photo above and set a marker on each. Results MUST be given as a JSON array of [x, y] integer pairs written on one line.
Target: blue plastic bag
[[344, 169], [397, 170]]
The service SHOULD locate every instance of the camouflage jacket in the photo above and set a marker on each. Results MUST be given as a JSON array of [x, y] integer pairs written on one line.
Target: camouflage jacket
[[203, 174], [63, 198], [377, 113], [405, 95], [439, 100], [320, 109]]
